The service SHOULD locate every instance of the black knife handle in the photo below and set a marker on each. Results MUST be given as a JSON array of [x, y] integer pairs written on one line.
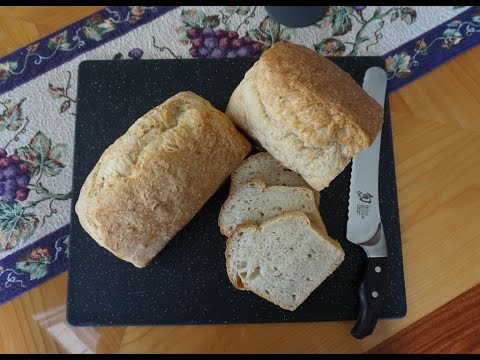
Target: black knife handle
[[372, 293]]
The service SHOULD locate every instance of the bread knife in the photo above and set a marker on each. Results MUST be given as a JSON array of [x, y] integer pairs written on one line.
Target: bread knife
[[364, 225]]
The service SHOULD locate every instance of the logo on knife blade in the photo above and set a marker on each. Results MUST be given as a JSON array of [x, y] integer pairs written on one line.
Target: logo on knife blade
[[364, 209], [365, 197]]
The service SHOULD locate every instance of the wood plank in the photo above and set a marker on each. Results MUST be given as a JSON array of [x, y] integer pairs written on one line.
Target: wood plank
[[19, 331], [453, 328], [20, 25]]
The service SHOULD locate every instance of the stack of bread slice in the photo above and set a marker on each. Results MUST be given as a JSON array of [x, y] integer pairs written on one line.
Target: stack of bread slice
[[278, 246]]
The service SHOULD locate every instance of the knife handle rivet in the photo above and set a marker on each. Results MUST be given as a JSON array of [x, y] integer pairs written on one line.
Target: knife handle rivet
[[374, 294], [378, 269]]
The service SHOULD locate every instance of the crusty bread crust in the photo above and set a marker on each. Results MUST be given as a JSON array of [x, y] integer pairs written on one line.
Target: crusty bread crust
[[311, 115], [153, 179]]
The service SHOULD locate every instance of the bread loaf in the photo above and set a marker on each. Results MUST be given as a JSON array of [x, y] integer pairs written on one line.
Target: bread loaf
[[306, 111], [283, 260], [153, 179]]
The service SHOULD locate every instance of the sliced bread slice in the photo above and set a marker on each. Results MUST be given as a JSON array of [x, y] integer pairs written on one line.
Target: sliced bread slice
[[255, 201], [263, 166], [283, 260]]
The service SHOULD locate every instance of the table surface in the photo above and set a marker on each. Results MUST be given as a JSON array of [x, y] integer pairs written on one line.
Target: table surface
[[437, 151]]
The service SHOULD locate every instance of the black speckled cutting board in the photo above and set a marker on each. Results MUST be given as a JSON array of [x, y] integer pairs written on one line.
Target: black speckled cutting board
[[187, 282]]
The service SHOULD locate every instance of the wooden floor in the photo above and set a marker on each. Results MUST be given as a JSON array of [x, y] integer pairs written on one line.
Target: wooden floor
[[436, 130]]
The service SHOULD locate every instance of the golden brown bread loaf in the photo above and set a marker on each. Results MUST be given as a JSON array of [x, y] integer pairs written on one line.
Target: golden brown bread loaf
[[153, 179], [305, 111]]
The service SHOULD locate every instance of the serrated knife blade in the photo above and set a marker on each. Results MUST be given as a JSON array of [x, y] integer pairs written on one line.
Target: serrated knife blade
[[363, 205], [364, 225]]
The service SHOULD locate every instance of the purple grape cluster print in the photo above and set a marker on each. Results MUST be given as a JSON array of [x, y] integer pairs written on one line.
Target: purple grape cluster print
[[14, 178], [209, 43]]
